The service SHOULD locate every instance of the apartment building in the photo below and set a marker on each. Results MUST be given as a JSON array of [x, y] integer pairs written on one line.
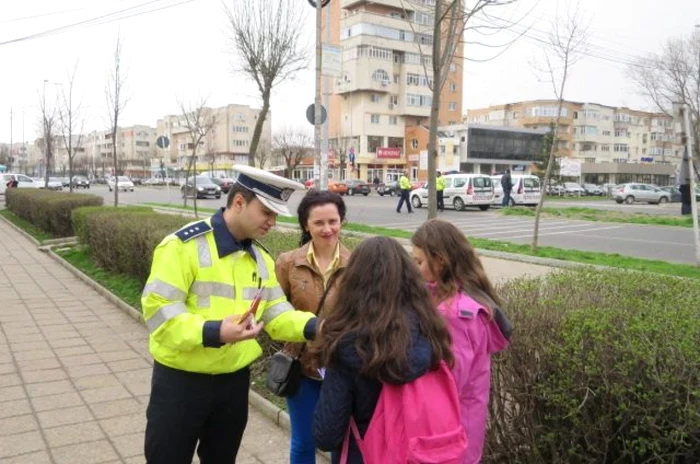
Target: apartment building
[[135, 151], [227, 142], [598, 135], [382, 98]]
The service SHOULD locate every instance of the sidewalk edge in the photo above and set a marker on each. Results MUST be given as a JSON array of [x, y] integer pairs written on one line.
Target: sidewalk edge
[[21, 231]]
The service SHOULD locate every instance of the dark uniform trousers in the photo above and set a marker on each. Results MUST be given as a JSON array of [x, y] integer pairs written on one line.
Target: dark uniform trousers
[[186, 408]]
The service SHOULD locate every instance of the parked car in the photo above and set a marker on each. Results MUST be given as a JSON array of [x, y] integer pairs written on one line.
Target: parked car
[[120, 182], [54, 183], [22, 181], [634, 192], [224, 184], [674, 193], [572, 188], [593, 190], [340, 188], [526, 190], [202, 187], [80, 182], [390, 188], [358, 186], [461, 190]]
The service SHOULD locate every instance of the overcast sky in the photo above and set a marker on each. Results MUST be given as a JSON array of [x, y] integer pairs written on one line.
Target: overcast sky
[[182, 52]]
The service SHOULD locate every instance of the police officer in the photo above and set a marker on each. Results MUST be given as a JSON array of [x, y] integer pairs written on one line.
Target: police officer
[[440, 189], [203, 280], [405, 191]]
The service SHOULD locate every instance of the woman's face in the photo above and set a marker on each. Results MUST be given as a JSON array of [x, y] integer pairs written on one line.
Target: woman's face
[[324, 225], [422, 261]]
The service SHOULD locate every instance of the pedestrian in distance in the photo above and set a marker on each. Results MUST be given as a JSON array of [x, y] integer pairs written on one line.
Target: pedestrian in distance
[[440, 190], [507, 185], [211, 290], [405, 193], [384, 328], [467, 300], [306, 274]]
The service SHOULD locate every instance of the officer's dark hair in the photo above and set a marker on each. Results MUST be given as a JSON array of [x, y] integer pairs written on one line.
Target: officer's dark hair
[[248, 196], [312, 199]]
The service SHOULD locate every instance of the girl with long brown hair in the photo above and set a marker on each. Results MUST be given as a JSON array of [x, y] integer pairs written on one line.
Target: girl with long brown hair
[[467, 300], [383, 328]]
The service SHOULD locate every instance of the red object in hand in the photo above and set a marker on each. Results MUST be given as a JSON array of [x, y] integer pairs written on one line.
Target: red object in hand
[[253, 306]]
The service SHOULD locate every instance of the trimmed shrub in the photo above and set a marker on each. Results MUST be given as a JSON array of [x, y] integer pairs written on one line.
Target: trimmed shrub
[[48, 210], [604, 367], [80, 217]]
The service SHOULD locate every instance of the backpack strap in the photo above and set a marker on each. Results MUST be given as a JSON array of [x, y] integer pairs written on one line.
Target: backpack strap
[[346, 443]]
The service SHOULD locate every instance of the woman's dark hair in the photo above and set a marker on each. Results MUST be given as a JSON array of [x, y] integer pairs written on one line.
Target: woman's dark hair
[[454, 261], [381, 295], [312, 199]]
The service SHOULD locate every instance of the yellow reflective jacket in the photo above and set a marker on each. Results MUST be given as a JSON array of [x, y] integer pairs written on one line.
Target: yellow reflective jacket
[[192, 288], [440, 183], [404, 183]]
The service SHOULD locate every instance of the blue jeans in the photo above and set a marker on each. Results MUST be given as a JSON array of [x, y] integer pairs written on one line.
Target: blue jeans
[[301, 414], [506, 198]]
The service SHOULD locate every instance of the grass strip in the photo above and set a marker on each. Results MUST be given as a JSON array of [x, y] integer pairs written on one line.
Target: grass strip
[[126, 287], [592, 214], [25, 225], [586, 257]]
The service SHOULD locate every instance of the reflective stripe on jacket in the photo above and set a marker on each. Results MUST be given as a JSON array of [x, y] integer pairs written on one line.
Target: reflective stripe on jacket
[[189, 285]]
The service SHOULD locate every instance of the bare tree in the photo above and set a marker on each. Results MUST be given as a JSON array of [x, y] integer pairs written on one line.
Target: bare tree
[[48, 134], [267, 37], [673, 75], [451, 20], [263, 154], [292, 145], [116, 102], [70, 119], [565, 46], [199, 120]]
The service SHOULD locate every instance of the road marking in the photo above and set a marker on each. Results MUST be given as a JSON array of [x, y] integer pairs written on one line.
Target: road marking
[[544, 228], [562, 232]]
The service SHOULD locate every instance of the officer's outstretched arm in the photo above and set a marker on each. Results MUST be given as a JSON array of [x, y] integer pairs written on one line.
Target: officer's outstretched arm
[[282, 322], [163, 301]]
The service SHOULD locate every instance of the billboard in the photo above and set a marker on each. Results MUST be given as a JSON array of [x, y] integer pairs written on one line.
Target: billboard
[[569, 167]]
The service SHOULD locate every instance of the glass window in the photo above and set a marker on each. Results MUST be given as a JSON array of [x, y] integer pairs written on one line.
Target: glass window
[[460, 182]]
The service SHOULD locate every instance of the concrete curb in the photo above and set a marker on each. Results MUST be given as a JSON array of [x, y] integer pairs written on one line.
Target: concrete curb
[[127, 308], [21, 231]]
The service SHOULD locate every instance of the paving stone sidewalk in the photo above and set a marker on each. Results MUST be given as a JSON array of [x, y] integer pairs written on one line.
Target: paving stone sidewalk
[[75, 371]]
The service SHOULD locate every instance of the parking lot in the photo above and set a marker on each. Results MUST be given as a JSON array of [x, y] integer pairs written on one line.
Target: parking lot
[[674, 244]]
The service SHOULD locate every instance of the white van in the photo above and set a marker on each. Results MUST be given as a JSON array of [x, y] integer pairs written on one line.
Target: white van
[[526, 190], [461, 190]]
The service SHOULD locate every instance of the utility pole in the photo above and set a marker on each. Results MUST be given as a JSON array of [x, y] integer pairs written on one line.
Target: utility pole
[[321, 158], [12, 160], [683, 113]]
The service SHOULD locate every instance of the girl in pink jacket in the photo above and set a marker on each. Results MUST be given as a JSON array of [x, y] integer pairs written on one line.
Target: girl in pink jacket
[[467, 300]]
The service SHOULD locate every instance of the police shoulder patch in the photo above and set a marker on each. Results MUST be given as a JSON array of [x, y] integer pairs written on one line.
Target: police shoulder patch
[[193, 230]]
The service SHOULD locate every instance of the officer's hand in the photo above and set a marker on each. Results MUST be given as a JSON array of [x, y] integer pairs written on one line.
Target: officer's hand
[[233, 331]]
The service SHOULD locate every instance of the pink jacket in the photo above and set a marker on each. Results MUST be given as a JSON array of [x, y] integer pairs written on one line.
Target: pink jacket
[[475, 337]]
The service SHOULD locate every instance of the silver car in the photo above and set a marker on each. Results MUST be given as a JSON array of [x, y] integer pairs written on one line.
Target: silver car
[[646, 193]]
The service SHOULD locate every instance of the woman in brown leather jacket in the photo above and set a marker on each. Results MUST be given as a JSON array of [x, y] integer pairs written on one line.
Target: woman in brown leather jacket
[[304, 274]]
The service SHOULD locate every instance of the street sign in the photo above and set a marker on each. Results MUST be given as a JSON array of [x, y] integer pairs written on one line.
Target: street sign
[[163, 142], [323, 3], [310, 113]]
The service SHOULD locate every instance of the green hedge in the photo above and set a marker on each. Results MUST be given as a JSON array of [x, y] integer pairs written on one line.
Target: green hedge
[[49, 211], [604, 367]]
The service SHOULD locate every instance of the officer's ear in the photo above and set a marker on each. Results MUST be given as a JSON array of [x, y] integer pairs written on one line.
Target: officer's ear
[[238, 202]]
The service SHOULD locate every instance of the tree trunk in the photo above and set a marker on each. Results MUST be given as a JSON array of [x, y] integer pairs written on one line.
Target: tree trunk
[[434, 114], [70, 155], [257, 132], [114, 159]]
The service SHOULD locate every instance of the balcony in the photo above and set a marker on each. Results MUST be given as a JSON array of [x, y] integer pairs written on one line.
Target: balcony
[[398, 4]]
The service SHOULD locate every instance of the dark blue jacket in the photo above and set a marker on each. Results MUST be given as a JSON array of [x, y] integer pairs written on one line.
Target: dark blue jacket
[[345, 392]]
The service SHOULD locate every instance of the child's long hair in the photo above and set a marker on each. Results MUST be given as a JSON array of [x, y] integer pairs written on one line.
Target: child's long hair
[[379, 294], [453, 260]]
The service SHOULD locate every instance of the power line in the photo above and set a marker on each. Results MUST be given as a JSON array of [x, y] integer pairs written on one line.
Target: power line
[[103, 19]]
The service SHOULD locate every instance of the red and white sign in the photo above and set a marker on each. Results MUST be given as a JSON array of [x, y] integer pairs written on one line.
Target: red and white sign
[[392, 153]]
